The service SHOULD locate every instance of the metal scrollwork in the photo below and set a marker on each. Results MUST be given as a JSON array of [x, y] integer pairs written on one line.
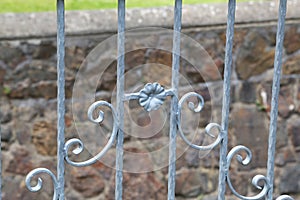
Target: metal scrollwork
[[151, 97], [79, 143], [209, 127], [39, 183], [284, 197], [256, 179]]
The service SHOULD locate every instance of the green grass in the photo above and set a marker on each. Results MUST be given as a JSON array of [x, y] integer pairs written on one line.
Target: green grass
[[49, 5]]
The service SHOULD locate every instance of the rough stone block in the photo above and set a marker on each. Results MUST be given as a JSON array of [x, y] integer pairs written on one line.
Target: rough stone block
[[255, 56], [289, 182], [250, 128]]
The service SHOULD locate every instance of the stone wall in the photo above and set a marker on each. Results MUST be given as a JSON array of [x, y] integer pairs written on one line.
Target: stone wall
[[28, 101]]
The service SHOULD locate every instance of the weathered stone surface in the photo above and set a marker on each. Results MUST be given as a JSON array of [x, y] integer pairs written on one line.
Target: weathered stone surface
[[209, 159], [49, 164], [206, 115], [23, 133], [20, 90], [105, 171], [14, 188], [30, 109], [254, 57], [212, 71], [11, 56], [87, 181], [140, 163], [286, 104], [157, 73], [213, 44], [21, 162], [292, 40], [203, 65], [191, 183], [297, 97], [6, 134], [240, 180], [35, 70], [45, 50], [291, 66], [45, 89], [5, 113], [282, 136], [36, 78], [136, 58], [284, 156], [192, 158], [290, 180], [140, 186], [3, 69], [44, 138], [210, 197], [250, 128], [247, 92], [144, 125], [108, 80], [74, 57], [293, 129], [28, 75]]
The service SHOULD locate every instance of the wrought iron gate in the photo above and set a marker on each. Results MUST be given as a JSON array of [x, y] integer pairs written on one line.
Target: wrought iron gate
[[151, 97]]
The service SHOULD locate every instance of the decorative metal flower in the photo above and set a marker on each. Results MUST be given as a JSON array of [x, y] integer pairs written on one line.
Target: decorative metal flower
[[152, 96]]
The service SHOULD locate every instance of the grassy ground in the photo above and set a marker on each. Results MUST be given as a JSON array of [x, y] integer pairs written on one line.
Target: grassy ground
[[49, 5]]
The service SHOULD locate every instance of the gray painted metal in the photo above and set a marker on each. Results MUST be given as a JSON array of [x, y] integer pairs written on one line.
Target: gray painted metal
[[120, 96], [60, 99], [256, 179], [275, 95], [79, 144], [174, 101], [226, 97], [151, 97], [59, 181]]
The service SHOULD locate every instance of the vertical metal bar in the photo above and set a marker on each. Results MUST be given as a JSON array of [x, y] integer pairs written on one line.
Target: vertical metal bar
[[174, 101], [226, 97], [275, 95], [120, 96], [60, 98]]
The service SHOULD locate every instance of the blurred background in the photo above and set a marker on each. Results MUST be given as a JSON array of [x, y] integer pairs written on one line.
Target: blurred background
[[49, 5]]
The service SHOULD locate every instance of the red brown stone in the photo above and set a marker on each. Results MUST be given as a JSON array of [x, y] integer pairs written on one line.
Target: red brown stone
[[250, 128], [44, 138], [140, 186], [292, 65], [21, 162], [87, 181], [254, 57], [191, 183], [292, 40]]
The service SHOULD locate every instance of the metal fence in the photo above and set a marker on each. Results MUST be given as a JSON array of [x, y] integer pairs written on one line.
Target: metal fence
[[151, 97]]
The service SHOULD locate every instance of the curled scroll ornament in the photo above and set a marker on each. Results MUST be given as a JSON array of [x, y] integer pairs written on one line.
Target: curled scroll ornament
[[39, 183], [208, 129], [284, 197], [256, 179], [79, 143]]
